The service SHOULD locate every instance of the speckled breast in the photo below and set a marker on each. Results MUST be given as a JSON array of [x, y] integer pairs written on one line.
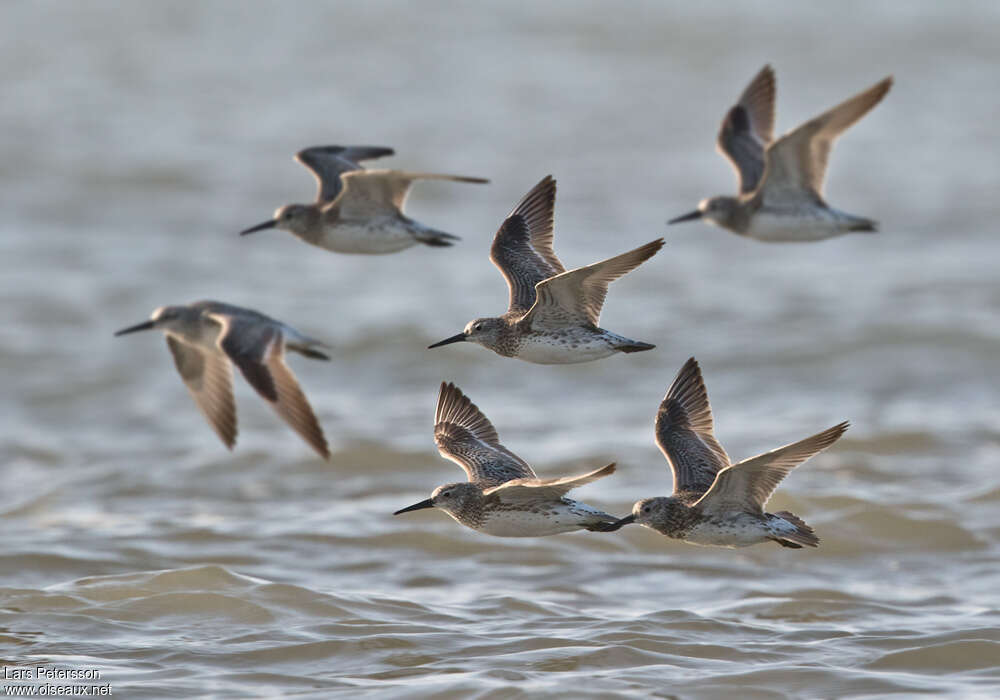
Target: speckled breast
[[741, 530], [563, 347], [536, 522]]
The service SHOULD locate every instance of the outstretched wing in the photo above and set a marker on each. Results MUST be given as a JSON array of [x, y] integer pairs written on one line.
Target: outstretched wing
[[545, 489], [685, 433], [258, 350], [748, 128], [465, 436], [577, 296], [369, 193], [328, 163], [796, 163], [209, 378], [748, 485], [522, 247]]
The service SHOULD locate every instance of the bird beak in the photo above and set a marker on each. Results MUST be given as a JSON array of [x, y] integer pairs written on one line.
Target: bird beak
[[627, 520], [144, 326], [260, 227], [429, 503], [696, 214], [448, 341]]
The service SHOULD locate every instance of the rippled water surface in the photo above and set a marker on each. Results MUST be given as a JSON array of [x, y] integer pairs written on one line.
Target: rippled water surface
[[139, 137]]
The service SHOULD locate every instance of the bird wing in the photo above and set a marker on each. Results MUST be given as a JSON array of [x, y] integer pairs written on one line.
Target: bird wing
[[748, 128], [685, 433], [328, 163], [748, 485], [545, 489], [796, 163], [209, 379], [369, 193], [522, 246], [465, 436], [577, 296], [258, 350]]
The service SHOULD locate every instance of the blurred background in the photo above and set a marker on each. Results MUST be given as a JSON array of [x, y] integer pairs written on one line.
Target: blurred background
[[139, 138]]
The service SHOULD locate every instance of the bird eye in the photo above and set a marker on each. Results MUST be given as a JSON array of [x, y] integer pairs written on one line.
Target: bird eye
[[646, 509], [477, 327], [446, 494]]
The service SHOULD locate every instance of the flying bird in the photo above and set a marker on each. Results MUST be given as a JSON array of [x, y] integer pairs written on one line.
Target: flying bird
[[358, 210], [716, 502], [503, 496], [552, 314], [781, 182], [207, 336]]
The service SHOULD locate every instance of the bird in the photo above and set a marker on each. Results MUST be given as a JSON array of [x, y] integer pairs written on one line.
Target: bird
[[781, 182], [553, 314], [204, 337], [503, 497], [714, 501], [358, 210]]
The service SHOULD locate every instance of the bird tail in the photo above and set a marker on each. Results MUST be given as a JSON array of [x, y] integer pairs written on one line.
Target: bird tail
[[634, 346], [434, 238], [793, 532], [863, 225], [602, 525], [310, 348]]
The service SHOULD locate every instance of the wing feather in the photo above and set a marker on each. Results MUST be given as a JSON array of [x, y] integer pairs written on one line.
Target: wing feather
[[522, 247], [328, 163], [546, 489], [748, 128], [686, 435], [292, 405], [748, 485], [208, 378], [465, 435], [577, 296], [796, 163], [369, 193], [258, 349]]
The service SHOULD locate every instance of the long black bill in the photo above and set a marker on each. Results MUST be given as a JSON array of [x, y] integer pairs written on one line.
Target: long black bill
[[429, 503], [144, 326], [627, 520], [260, 227], [448, 341], [696, 214]]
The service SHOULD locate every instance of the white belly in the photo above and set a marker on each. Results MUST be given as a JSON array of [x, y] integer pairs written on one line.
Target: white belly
[[739, 531], [534, 523], [564, 350], [774, 228], [375, 237]]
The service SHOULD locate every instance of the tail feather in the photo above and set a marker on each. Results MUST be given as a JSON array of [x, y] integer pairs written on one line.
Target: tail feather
[[862, 225], [441, 176], [605, 525], [803, 535], [310, 349], [602, 522], [635, 346], [435, 239]]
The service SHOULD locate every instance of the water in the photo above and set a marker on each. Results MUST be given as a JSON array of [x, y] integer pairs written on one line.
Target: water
[[140, 137]]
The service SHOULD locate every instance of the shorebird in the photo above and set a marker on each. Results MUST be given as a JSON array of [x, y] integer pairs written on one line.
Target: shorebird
[[716, 502], [553, 314], [503, 496], [204, 337], [358, 210], [781, 182]]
